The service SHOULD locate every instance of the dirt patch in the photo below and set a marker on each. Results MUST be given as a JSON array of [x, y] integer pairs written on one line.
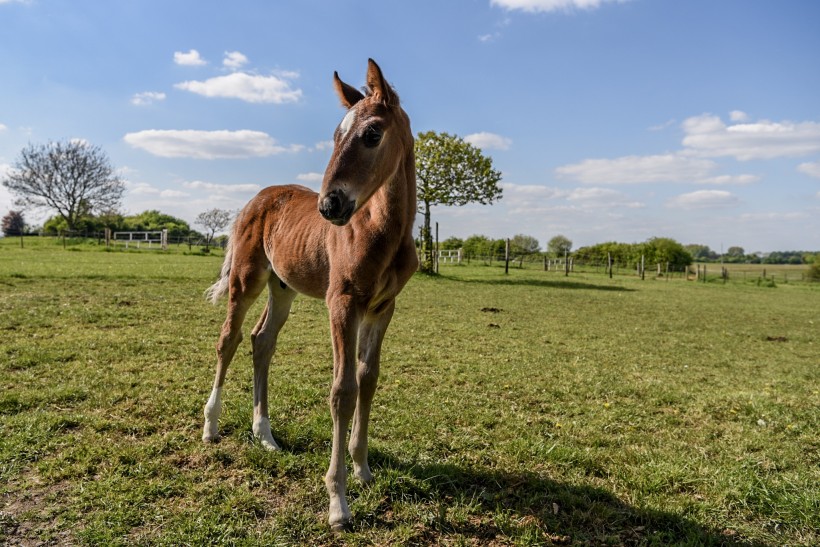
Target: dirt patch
[[29, 512]]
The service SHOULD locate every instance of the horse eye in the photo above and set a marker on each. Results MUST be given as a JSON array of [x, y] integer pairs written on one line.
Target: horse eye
[[372, 137]]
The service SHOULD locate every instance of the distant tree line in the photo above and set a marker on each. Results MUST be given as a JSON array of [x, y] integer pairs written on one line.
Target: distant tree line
[[656, 250], [737, 255], [214, 220]]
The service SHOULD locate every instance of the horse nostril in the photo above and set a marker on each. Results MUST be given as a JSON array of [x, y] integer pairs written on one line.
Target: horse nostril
[[331, 206]]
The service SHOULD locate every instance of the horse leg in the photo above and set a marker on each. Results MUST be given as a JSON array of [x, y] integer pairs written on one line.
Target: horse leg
[[371, 334], [344, 319], [244, 289], [263, 340]]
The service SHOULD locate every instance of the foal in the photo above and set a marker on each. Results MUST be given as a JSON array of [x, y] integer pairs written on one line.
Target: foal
[[352, 245]]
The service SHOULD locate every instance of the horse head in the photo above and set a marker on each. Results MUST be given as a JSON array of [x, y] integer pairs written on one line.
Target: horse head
[[369, 146]]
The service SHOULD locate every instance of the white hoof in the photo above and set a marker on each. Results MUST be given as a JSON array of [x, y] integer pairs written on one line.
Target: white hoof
[[261, 430], [210, 433], [363, 473]]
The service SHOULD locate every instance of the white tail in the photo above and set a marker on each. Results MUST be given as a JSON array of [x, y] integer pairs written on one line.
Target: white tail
[[220, 288]]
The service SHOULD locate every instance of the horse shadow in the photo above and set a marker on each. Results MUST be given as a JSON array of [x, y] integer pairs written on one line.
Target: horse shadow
[[545, 283], [525, 505]]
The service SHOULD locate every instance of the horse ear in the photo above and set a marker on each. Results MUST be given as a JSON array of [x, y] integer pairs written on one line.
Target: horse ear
[[378, 85], [348, 94]]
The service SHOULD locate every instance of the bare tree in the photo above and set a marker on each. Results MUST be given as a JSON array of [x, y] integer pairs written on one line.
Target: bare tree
[[73, 178], [213, 220]]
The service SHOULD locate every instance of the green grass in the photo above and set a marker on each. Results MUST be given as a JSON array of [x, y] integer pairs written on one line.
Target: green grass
[[526, 409]]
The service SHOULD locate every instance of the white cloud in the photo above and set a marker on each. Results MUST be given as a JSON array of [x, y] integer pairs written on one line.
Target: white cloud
[[550, 5], [708, 135], [3, 127], [234, 60], [811, 169], [147, 97], [324, 145], [222, 188], [207, 144], [489, 141], [738, 116], [191, 58], [725, 180], [703, 199], [310, 177], [6, 199], [662, 126], [145, 189], [638, 169], [773, 217], [602, 197], [247, 87]]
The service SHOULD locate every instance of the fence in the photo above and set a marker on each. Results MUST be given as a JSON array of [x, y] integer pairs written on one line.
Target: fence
[[134, 240], [708, 272], [159, 238]]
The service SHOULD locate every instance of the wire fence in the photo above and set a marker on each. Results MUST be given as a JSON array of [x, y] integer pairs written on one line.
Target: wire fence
[[703, 272]]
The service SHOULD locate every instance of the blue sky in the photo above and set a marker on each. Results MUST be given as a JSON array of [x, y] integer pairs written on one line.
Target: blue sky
[[609, 120]]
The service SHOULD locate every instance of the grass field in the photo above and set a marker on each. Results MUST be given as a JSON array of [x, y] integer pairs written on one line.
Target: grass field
[[528, 409]]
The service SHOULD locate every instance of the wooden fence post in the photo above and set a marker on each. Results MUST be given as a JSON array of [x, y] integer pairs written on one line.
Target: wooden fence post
[[435, 261], [507, 257]]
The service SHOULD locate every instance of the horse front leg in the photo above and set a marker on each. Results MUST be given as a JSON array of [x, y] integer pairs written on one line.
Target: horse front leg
[[371, 335], [344, 322]]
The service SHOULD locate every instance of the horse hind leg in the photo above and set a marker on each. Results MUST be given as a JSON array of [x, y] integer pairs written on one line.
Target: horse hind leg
[[244, 289], [263, 339]]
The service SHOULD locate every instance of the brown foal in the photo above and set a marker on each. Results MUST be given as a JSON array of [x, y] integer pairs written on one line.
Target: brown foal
[[352, 245]]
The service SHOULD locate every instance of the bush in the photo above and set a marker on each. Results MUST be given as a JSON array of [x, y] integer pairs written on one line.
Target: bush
[[814, 271]]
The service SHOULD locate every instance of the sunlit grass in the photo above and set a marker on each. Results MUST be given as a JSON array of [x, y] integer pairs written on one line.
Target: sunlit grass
[[520, 409]]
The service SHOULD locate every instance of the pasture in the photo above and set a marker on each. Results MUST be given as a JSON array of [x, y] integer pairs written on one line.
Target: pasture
[[527, 409]]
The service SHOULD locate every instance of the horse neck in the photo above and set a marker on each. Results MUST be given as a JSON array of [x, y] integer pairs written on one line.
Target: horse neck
[[393, 207]]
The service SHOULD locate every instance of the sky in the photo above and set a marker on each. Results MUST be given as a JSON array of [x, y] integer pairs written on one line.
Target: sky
[[610, 120]]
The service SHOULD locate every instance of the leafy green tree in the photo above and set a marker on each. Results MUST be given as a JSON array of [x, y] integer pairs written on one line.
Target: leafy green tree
[[701, 252], [522, 244], [476, 245], [153, 220], [450, 171], [452, 243], [662, 250], [735, 254], [73, 178], [559, 245]]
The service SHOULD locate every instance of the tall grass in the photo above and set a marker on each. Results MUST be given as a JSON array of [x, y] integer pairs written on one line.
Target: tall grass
[[519, 409]]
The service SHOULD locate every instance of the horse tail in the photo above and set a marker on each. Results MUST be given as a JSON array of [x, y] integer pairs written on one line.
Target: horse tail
[[220, 288]]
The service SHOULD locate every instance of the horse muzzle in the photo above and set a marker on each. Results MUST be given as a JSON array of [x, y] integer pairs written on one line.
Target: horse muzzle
[[336, 208]]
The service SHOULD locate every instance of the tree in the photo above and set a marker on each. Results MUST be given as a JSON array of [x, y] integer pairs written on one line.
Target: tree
[[213, 220], [14, 224], [73, 178], [662, 250], [476, 245], [735, 254], [452, 243], [522, 244], [451, 171], [559, 245], [154, 220], [701, 252]]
